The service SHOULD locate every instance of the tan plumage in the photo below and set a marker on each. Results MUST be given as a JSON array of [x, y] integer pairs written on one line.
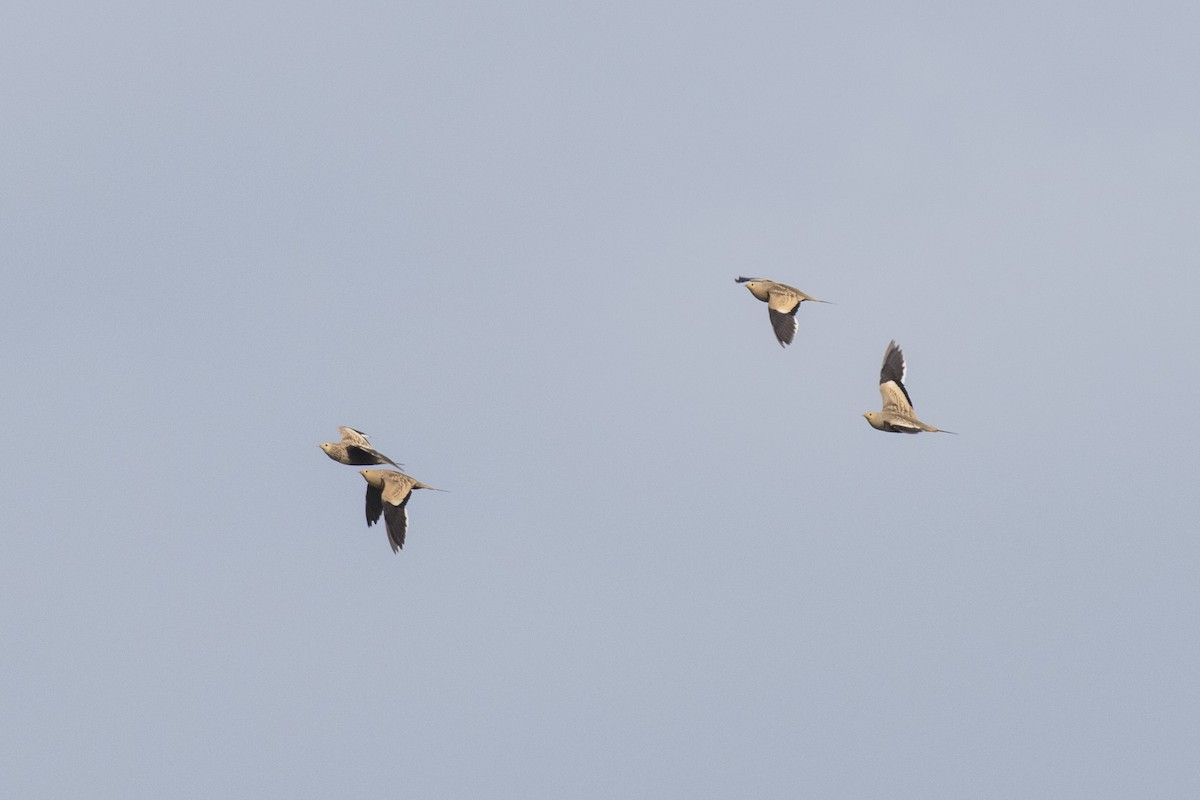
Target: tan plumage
[[897, 415], [782, 303], [387, 495], [354, 449]]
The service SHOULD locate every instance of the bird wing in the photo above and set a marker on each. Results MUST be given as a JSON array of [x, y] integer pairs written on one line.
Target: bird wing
[[360, 456], [897, 424], [364, 455], [396, 488], [382, 459], [397, 523], [895, 399], [351, 436], [784, 325], [893, 372], [374, 504], [784, 299]]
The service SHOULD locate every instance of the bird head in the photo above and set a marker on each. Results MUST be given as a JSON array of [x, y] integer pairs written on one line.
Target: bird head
[[757, 287], [374, 476]]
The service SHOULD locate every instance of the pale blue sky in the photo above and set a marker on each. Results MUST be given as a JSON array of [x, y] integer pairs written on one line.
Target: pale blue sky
[[674, 560]]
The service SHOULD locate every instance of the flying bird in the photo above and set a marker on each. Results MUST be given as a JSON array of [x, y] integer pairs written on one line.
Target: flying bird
[[387, 495], [897, 415], [354, 449], [782, 303]]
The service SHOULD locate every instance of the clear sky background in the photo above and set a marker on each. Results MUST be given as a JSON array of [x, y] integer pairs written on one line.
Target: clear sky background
[[674, 560]]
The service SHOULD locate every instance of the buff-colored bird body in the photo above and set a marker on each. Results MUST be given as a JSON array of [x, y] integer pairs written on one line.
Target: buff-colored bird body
[[897, 415], [388, 492], [782, 301], [354, 449]]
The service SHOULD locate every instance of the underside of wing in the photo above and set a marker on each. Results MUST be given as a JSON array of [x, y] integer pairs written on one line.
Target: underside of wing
[[893, 368], [385, 460], [895, 425], [397, 524], [362, 456], [784, 325], [374, 504]]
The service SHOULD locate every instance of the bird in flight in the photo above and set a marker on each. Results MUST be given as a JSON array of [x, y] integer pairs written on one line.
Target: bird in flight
[[354, 449], [782, 303], [897, 415], [387, 495]]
